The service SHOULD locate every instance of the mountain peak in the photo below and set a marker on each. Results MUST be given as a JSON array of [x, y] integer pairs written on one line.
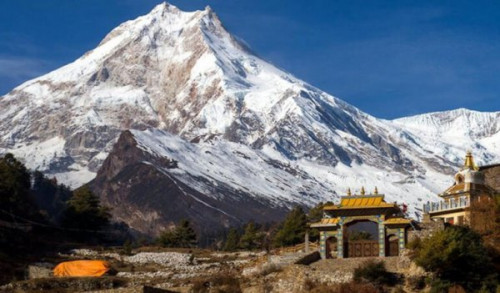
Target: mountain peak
[[165, 8], [183, 73]]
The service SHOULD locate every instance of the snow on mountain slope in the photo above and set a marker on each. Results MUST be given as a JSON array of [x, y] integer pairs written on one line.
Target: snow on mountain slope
[[266, 174], [450, 134], [182, 73]]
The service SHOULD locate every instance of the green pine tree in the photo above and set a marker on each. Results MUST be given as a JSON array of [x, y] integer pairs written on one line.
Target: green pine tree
[[315, 215], [252, 238], [16, 205], [50, 196], [85, 212], [293, 229], [182, 236], [185, 235], [232, 240], [127, 247], [167, 239], [15, 187]]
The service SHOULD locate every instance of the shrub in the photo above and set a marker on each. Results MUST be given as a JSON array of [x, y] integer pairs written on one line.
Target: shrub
[[456, 256], [416, 283], [374, 272], [440, 286], [127, 247], [415, 244]]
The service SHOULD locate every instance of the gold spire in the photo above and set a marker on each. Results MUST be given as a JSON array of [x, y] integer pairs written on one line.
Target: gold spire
[[349, 192], [376, 191], [469, 161], [362, 190]]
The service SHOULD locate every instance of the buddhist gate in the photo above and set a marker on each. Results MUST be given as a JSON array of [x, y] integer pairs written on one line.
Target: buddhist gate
[[362, 226]]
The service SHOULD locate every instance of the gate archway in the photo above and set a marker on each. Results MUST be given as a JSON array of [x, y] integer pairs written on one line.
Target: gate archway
[[331, 247], [392, 245], [361, 239]]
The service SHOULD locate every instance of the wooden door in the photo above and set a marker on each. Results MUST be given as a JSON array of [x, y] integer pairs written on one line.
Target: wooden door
[[393, 248], [362, 248]]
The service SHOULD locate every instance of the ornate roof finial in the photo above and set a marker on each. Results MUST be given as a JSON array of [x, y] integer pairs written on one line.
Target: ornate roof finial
[[376, 191], [349, 192], [469, 161], [362, 190]]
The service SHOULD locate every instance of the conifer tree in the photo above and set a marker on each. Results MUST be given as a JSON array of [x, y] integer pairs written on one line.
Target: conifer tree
[[50, 196], [14, 186], [182, 236], [186, 236], [315, 215], [16, 203], [85, 212], [232, 240], [167, 239], [293, 229], [252, 238]]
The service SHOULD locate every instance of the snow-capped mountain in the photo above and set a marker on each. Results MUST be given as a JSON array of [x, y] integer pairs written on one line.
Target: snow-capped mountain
[[212, 104], [445, 133]]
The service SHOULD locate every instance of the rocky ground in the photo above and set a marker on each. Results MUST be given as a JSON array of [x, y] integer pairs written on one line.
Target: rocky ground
[[182, 270]]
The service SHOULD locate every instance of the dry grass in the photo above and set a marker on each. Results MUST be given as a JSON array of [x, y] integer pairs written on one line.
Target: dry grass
[[342, 288], [53, 285], [216, 284]]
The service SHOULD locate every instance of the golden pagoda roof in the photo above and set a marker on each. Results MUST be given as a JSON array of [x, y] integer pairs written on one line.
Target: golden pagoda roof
[[397, 221], [461, 188], [361, 202], [329, 221], [326, 222], [469, 162], [474, 185], [457, 188]]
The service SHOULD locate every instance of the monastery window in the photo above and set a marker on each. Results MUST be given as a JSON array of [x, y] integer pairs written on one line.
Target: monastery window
[[460, 220], [449, 220]]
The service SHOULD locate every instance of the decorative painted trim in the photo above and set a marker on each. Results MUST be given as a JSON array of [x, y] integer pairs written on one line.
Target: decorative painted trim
[[322, 244], [340, 241], [381, 237], [401, 239]]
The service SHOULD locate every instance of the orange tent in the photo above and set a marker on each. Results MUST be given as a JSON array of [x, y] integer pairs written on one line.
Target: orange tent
[[82, 268]]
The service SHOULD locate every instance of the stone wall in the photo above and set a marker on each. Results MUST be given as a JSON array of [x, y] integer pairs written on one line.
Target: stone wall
[[427, 228], [492, 176]]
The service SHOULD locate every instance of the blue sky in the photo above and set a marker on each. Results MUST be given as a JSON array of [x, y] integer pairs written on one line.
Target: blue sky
[[388, 58]]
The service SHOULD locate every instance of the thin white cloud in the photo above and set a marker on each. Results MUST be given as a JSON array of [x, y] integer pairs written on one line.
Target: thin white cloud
[[21, 68]]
